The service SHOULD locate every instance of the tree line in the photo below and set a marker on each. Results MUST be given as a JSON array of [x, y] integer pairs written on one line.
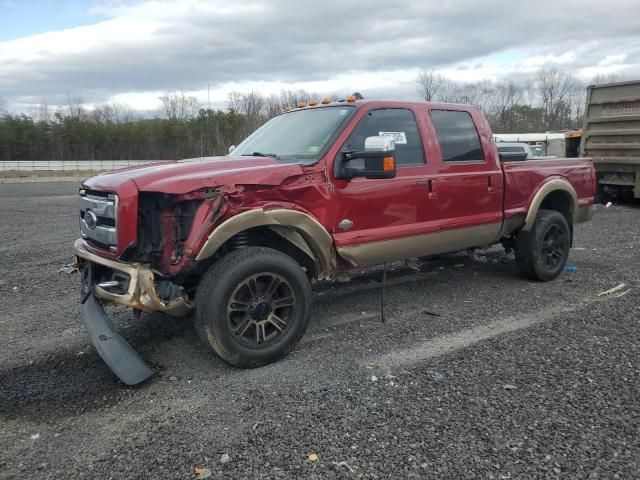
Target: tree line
[[553, 99], [184, 129]]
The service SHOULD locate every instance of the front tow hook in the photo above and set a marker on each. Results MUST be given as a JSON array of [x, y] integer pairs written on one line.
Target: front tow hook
[[111, 346]]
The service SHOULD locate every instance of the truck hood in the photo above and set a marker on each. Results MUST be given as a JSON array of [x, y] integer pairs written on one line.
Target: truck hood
[[183, 176]]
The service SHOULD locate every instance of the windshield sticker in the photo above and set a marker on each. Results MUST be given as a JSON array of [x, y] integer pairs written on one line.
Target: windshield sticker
[[399, 137], [313, 149]]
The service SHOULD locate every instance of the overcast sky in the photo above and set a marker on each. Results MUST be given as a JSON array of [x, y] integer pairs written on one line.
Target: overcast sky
[[131, 51]]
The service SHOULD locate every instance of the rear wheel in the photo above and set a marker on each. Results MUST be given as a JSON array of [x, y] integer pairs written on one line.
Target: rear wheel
[[542, 252], [252, 306]]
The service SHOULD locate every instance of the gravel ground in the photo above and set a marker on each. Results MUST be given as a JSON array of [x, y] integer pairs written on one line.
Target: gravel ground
[[476, 374]]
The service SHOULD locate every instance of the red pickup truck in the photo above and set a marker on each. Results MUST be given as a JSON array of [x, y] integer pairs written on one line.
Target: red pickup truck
[[322, 188]]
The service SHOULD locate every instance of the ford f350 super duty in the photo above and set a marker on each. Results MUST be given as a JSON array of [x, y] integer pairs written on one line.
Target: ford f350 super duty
[[236, 241]]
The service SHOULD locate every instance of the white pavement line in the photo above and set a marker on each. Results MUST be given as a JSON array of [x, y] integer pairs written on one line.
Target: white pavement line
[[446, 344]]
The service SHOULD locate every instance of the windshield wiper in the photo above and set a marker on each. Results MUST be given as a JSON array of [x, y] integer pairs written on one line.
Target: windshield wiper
[[260, 154]]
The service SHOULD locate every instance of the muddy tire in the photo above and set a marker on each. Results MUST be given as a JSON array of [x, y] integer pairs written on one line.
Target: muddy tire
[[541, 253], [253, 306]]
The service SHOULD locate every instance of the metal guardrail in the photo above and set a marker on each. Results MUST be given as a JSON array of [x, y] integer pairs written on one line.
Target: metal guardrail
[[66, 165]]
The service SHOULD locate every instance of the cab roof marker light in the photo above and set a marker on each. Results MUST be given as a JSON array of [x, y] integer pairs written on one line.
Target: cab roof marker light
[[351, 98], [326, 100], [302, 104], [288, 109], [313, 103]]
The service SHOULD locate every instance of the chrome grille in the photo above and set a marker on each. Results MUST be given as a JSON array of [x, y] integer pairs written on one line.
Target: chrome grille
[[98, 218]]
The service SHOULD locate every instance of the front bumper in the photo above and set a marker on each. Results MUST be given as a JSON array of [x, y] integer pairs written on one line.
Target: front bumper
[[114, 350], [140, 291]]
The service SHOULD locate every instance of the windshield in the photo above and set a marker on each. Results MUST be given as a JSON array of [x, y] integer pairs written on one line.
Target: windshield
[[300, 136]]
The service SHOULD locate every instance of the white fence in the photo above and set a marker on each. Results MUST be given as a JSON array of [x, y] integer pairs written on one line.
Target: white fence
[[66, 165]]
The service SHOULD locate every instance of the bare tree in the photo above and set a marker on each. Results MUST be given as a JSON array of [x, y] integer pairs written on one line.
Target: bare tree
[[177, 106], [3, 105], [252, 104], [507, 94], [40, 112], [293, 97], [272, 106], [577, 101], [43, 111], [450, 92], [430, 84], [75, 105], [601, 78], [234, 101], [554, 87], [529, 94], [113, 112]]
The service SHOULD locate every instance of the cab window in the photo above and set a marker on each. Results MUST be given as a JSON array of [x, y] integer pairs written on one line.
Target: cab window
[[457, 135], [399, 123]]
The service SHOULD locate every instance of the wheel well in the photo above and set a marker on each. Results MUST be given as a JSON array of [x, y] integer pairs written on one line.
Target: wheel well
[[273, 237], [559, 201]]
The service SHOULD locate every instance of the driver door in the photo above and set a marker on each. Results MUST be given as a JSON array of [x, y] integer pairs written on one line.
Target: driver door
[[371, 213]]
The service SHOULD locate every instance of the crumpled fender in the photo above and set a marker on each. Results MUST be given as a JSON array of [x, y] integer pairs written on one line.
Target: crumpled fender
[[319, 240]]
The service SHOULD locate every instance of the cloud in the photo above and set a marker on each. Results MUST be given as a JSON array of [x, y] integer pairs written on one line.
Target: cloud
[[150, 46]]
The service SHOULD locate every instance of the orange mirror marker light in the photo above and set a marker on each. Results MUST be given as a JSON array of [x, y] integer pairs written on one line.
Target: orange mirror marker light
[[388, 164]]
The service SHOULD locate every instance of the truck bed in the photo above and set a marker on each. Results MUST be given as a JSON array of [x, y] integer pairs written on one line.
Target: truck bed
[[523, 179]]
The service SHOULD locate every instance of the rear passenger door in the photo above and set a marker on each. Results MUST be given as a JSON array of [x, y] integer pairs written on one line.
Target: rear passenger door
[[466, 182]]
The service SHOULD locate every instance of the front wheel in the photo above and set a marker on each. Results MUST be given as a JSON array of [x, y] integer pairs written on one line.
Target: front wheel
[[542, 252], [252, 306]]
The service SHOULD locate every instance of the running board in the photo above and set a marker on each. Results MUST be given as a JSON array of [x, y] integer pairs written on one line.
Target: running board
[[111, 346]]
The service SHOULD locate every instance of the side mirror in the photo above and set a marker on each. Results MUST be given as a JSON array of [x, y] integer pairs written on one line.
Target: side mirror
[[378, 160], [512, 156], [231, 149]]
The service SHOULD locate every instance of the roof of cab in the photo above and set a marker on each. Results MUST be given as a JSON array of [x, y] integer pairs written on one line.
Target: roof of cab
[[381, 104]]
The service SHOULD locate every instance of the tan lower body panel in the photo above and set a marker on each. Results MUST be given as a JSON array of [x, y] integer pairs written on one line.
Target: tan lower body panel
[[375, 253]]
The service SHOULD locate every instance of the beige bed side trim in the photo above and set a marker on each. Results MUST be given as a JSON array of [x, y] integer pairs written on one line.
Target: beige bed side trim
[[318, 239], [547, 188]]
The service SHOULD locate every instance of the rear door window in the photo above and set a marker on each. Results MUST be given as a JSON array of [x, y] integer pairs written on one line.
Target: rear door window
[[457, 135], [399, 123]]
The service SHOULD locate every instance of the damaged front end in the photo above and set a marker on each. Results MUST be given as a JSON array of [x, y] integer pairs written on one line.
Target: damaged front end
[[132, 285], [156, 272]]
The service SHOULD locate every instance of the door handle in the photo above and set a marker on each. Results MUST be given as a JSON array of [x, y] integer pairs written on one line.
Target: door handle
[[490, 187], [431, 193], [429, 184]]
